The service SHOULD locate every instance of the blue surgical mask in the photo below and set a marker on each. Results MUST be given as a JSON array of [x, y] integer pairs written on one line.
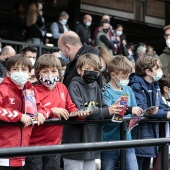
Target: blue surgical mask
[[19, 78], [63, 21], [122, 83], [88, 24], [119, 33]]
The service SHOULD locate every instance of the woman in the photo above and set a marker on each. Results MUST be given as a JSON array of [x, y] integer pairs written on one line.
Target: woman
[[33, 25]]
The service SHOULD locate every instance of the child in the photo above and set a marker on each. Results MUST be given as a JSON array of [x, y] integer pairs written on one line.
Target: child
[[55, 97], [164, 84], [84, 90], [147, 92], [119, 70], [12, 109]]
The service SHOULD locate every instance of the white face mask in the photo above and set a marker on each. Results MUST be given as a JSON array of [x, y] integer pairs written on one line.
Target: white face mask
[[32, 61], [119, 33], [130, 52], [19, 78], [49, 81], [103, 69], [62, 72], [158, 76], [168, 42], [63, 21], [122, 83], [88, 24]]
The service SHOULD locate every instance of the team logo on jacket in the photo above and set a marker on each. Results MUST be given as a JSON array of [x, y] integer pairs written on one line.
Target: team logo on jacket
[[63, 96], [12, 100]]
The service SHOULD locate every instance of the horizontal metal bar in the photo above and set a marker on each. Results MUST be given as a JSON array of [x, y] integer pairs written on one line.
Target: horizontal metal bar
[[28, 44], [57, 121], [80, 147]]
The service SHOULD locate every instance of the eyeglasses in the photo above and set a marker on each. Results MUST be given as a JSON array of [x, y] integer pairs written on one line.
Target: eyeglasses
[[167, 35]]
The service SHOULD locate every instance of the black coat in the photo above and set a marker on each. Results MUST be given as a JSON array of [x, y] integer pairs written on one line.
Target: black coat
[[84, 33]]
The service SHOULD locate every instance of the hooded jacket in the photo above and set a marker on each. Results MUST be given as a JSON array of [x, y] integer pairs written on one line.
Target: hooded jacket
[[57, 97], [147, 94], [82, 93], [165, 60], [12, 107], [71, 70]]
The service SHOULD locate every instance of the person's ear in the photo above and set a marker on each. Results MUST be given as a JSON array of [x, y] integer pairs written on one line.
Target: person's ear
[[147, 71], [67, 47], [8, 74], [112, 75], [165, 89], [79, 70]]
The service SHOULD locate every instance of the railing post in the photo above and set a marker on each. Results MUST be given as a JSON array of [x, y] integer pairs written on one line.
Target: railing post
[[164, 157], [40, 50], [123, 151]]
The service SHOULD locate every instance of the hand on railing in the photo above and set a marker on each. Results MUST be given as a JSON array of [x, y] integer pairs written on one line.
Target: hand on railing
[[40, 119], [137, 111], [60, 112], [26, 120]]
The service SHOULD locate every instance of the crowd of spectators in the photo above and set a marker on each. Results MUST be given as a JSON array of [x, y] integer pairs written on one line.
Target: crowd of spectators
[[85, 80]]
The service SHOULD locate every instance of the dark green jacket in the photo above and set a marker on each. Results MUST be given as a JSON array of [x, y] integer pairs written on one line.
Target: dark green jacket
[[165, 60]]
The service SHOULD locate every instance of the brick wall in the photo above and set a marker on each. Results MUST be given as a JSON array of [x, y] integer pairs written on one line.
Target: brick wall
[[155, 8], [114, 4]]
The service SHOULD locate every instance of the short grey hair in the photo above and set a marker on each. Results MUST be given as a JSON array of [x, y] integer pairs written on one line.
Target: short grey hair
[[141, 49]]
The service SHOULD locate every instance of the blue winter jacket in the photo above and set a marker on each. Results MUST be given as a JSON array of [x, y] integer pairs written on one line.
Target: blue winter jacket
[[145, 98]]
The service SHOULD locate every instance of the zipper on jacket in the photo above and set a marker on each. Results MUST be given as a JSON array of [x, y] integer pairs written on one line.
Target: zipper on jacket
[[20, 136]]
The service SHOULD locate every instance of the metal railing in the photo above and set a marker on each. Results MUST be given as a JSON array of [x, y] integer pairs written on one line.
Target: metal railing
[[42, 49], [96, 146]]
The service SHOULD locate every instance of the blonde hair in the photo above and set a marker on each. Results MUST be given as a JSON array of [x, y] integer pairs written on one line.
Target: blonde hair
[[146, 62], [32, 14], [90, 59], [103, 53], [120, 64]]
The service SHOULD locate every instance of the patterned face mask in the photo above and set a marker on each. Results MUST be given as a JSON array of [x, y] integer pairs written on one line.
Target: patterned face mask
[[49, 81]]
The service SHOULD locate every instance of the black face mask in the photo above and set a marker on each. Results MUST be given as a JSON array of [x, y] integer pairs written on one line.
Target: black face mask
[[105, 30], [90, 76]]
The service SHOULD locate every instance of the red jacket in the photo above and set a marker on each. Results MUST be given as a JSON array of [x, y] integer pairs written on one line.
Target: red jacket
[[58, 97], [11, 109]]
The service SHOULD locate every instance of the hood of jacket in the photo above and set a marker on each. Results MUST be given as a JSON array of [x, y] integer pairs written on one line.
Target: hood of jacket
[[140, 80]]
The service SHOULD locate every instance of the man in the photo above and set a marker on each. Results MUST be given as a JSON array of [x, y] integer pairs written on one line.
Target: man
[[103, 39], [30, 52], [141, 50], [59, 27], [165, 56], [7, 52], [71, 47], [110, 31], [83, 29]]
